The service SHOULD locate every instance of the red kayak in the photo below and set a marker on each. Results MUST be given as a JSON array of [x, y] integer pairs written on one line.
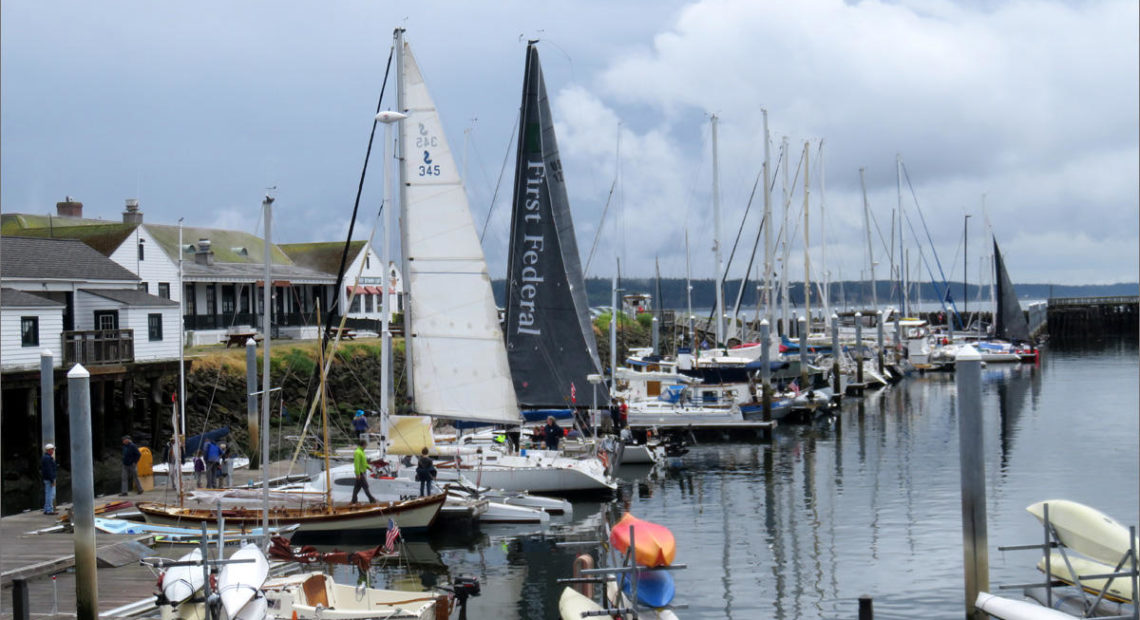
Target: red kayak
[[654, 543]]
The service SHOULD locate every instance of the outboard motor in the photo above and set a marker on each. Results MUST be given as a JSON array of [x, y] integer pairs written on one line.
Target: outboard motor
[[464, 587]]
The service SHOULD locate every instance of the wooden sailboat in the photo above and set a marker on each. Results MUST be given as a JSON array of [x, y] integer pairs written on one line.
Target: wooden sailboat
[[410, 515]]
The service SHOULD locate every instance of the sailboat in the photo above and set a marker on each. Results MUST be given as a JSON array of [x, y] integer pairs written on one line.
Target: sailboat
[[549, 333], [458, 361], [411, 515]]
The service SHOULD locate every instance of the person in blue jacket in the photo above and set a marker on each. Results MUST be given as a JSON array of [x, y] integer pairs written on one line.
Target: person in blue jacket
[[360, 424], [213, 464], [131, 456], [48, 469]]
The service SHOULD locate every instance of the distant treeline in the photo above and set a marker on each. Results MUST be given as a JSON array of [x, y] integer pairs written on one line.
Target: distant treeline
[[850, 292]]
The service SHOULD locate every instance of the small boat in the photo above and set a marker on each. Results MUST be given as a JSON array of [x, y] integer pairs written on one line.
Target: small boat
[[1086, 530], [655, 588], [316, 595], [1010, 609], [239, 582], [1120, 590], [170, 533], [621, 599], [181, 582], [654, 543], [573, 605]]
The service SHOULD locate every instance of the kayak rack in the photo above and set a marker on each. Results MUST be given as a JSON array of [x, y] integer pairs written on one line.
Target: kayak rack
[[1088, 609], [628, 566]]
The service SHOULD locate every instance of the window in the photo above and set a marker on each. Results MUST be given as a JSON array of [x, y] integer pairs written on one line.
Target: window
[[229, 303], [368, 303], [30, 331], [164, 290], [106, 319], [355, 309], [154, 326], [143, 287], [189, 300], [367, 261], [211, 299], [142, 253]]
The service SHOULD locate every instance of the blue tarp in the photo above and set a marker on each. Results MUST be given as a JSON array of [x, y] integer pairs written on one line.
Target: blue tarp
[[193, 444]]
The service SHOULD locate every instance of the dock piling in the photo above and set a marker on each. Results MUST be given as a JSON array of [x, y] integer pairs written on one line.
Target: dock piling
[[859, 349], [82, 493], [20, 609], [47, 398], [251, 402], [766, 369], [879, 339], [968, 371], [835, 353], [866, 609], [801, 327]]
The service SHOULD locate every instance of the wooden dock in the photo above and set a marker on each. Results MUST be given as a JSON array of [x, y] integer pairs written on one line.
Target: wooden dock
[[1087, 319], [47, 560]]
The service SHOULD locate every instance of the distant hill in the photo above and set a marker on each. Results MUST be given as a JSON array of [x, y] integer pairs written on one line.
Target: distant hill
[[673, 291]]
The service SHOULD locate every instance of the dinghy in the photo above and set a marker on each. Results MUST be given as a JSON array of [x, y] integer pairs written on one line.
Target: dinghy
[[573, 605], [1120, 590], [181, 582], [1086, 530], [239, 582], [654, 543]]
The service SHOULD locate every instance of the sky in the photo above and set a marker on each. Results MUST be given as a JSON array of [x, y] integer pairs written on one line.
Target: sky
[[1013, 119]]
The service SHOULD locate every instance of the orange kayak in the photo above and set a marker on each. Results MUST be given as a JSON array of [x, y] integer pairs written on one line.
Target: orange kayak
[[655, 544]]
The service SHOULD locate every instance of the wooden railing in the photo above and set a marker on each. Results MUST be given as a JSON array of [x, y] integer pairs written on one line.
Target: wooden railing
[[1093, 301], [100, 346]]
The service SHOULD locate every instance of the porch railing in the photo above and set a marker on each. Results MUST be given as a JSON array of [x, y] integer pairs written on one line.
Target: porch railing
[[100, 346]]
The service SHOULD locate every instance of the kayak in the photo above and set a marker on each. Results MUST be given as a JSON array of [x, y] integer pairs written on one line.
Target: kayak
[[1120, 590], [654, 587], [654, 543], [239, 582], [181, 582], [572, 604], [1085, 530]]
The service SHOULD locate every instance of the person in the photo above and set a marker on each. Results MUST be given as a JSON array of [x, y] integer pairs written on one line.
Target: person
[[225, 466], [551, 433], [360, 424], [131, 456], [624, 414], [213, 459], [199, 469], [615, 413], [360, 468], [172, 464], [48, 468], [425, 472]]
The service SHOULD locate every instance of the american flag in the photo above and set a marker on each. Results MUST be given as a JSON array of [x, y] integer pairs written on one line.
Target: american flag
[[794, 388], [573, 393], [393, 534]]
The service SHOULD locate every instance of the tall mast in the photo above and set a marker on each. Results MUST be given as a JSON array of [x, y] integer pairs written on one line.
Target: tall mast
[[266, 329], [613, 327], [720, 341], [784, 240], [689, 296], [902, 252], [870, 250], [402, 107], [965, 274], [767, 223], [807, 244], [390, 119], [823, 245]]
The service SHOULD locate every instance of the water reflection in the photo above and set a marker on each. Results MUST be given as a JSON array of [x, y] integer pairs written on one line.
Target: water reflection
[[867, 503]]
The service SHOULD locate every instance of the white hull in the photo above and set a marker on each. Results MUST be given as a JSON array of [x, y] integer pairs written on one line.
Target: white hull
[[572, 605], [315, 595], [181, 582], [535, 472], [1119, 590], [238, 582], [416, 514], [1009, 609], [1086, 529], [640, 454]]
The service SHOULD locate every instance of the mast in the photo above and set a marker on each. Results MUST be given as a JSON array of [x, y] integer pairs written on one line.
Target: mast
[[401, 155], [689, 297], [389, 119], [613, 327], [784, 313], [267, 331], [965, 273], [823, 245], [902, 252], [324, 419], [807, 244], [181, 339], [720, 340], [870, 249], [767, 223]]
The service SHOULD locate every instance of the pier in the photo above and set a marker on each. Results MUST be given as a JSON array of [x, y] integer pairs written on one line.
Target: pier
[[1075, 319]]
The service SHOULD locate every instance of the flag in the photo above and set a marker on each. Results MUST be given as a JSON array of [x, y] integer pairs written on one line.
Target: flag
[[393, 534], [573, 393], [794, 388]]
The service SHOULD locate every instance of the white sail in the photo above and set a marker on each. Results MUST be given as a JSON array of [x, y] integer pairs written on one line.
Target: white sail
[[459, 361]]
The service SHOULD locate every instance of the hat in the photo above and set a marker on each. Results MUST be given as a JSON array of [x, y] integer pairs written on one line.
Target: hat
[[359, 412], [49, 446]]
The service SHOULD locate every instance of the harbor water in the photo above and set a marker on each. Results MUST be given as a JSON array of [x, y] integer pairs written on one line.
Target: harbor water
[[865, 503]]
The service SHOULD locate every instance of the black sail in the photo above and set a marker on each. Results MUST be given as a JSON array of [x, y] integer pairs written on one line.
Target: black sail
[[550, 338], [1009, 321]]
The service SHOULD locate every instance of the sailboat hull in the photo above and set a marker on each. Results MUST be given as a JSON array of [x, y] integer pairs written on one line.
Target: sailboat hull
[[411, 515], [535, 472]]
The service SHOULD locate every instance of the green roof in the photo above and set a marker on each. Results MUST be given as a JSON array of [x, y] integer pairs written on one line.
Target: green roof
[[229, 246], [322, 256]]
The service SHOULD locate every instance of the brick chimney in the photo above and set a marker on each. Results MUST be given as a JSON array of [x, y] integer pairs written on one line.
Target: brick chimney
[[69, 208], [132, 215], [203, 255]]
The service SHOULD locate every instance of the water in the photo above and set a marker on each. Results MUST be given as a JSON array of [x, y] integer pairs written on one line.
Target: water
[[869, 504]]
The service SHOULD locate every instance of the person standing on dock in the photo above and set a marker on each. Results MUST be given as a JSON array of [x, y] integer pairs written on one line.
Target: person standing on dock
[[360, 468], [131, 457], [48, 469], [360, 424], [213, 463]]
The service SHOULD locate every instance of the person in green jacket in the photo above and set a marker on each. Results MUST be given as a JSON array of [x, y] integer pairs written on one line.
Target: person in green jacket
[[360, 468]]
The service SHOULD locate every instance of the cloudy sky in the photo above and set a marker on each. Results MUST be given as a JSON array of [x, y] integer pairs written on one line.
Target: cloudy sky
[[195, 108]]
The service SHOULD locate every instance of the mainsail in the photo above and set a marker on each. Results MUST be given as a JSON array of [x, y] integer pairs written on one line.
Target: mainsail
[[1009, 320], [550, 338], [451, 324]]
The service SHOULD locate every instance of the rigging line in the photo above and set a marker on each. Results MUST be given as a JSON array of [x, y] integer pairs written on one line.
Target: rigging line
[[334, 306], [606, 208], [739, 231], [933, 251], [499, 182], [751, 262]]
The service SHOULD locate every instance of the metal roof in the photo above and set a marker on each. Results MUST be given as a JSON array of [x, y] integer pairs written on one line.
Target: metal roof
[[57, 259], [131, 297]]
